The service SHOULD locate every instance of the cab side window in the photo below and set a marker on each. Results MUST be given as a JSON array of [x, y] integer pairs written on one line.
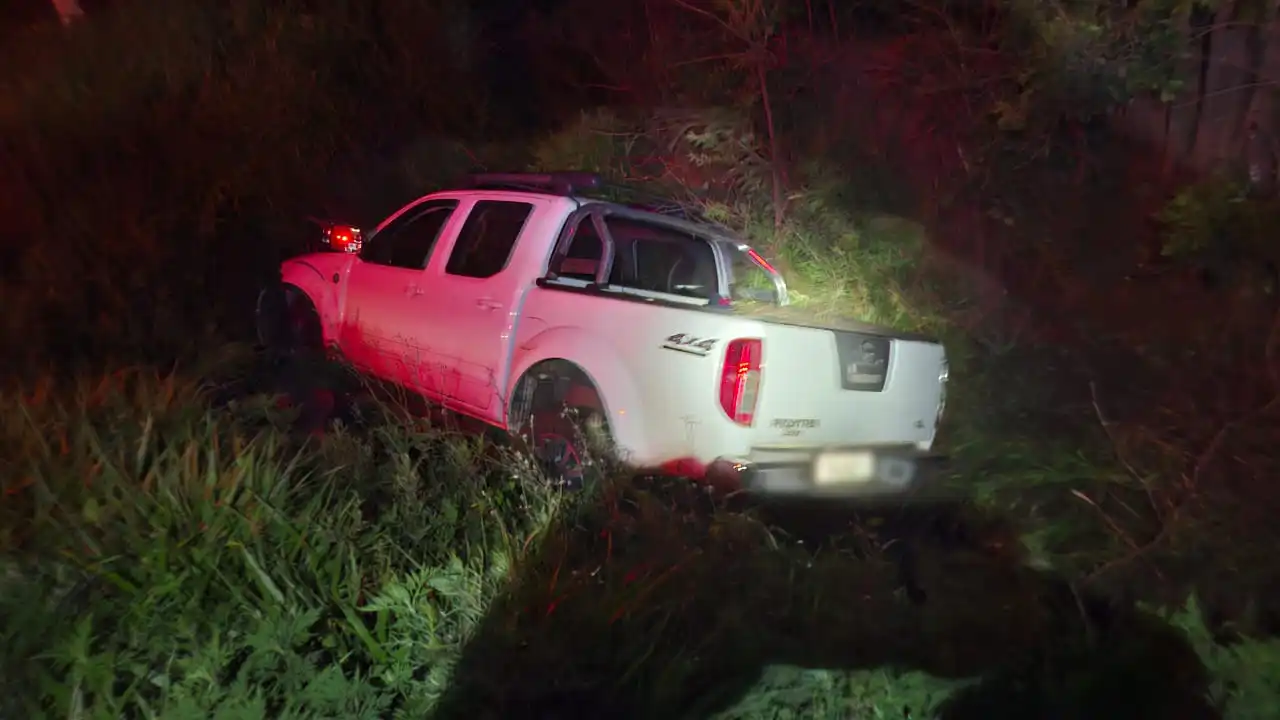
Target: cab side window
[[646, 256], [408, 241], [488, 237], [586, 250], [661, 259]]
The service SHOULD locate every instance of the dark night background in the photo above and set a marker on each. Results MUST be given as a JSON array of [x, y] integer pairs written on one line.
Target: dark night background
[[1078, 198]]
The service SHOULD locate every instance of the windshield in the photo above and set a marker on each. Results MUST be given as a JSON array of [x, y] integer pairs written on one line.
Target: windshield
[[752, 278]]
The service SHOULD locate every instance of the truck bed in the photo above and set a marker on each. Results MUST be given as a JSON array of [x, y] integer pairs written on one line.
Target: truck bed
[[800, 316]]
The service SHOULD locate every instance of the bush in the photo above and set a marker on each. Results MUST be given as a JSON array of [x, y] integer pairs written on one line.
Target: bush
[[1244, 671], [838, 262], [1219, 224]]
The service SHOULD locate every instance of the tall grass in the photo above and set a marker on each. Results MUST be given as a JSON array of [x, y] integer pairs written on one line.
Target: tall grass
[[165, 560]]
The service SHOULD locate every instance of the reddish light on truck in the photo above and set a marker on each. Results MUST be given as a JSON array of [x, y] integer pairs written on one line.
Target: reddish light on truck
[[740, 379], [343, 238], [760, 260]]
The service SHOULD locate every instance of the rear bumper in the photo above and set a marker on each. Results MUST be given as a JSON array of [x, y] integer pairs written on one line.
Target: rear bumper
[[889, 472]]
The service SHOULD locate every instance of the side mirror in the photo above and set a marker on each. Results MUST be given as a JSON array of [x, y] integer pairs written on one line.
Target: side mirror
[[342, 238]]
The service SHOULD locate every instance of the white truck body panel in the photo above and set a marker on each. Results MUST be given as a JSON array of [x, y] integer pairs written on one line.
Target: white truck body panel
[[662, 403]]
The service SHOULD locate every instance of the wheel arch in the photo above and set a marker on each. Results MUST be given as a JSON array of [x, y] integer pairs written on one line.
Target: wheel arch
[[621, 402], [277, 305]]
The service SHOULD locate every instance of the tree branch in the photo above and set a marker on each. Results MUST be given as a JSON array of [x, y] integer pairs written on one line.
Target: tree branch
[[714, 18]]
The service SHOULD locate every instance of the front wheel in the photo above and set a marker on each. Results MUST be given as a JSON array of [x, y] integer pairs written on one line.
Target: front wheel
[[287, 322], [289, 331]]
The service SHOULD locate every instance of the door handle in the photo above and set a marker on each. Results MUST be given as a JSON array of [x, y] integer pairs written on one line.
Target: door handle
[[412, 290], [488, 303]]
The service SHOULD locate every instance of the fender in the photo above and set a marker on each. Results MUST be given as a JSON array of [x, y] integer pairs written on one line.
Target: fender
[[320, 277], [604, 366]]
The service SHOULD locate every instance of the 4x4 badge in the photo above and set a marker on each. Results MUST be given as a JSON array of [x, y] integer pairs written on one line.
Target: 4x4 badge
[[689, 344]]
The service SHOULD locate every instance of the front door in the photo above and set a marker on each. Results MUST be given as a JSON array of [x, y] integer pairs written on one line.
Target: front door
[[476, 297], [381, 318]]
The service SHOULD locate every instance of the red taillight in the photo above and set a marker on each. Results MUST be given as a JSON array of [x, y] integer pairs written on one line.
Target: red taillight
[[740, 379]]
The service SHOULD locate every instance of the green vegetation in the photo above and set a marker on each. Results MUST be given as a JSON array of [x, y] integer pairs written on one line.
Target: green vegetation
[[1218, 225], [179, 560], [186, 562], [171, 548]]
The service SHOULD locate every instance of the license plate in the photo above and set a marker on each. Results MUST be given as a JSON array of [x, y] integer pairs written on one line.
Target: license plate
[[853, 467]]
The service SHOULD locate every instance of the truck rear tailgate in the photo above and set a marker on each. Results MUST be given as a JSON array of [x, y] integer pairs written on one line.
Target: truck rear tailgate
[[824, 386]]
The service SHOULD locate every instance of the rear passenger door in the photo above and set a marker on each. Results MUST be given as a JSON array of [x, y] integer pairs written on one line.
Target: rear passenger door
[[475, 290]]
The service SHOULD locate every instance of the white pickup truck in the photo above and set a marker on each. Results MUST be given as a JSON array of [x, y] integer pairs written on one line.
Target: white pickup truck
[[514, 297]]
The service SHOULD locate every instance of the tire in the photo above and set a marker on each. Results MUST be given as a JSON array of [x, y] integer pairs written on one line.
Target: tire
[[558, 419], [564, 445], [290, 333], [288, 323]]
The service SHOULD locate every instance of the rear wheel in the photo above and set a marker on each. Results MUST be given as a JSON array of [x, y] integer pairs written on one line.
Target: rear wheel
[[559, 419]]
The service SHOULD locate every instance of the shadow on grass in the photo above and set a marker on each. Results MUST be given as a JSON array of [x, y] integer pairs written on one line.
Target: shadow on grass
[[650, 601]]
